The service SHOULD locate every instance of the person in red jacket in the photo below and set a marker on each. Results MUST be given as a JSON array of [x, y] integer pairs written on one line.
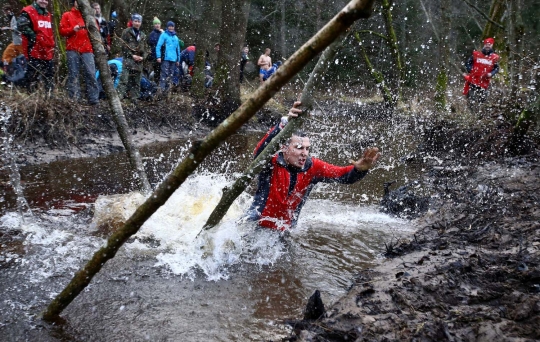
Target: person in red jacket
[[481, 67], [285, 183], [79, 54], [35, 25]]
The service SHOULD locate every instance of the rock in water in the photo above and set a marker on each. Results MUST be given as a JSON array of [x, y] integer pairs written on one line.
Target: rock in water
[[315, 307]]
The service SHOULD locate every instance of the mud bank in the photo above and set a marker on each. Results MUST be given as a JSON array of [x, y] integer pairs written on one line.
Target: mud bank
[[471, 272]]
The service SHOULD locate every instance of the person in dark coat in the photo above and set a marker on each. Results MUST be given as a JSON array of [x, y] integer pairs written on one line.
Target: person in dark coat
[[134, 51]]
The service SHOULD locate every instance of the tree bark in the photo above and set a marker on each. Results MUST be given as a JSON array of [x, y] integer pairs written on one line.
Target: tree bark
[[515, 56], [389, 100], [394, 47], [356, 9], [210, 20], [232, 193], [233, 34], [444, 52], [100, 58]]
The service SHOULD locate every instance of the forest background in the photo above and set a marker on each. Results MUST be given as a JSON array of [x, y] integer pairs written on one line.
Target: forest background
[[409, 42]]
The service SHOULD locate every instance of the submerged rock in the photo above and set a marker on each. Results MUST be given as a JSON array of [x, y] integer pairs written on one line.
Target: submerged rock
[[403, 202]]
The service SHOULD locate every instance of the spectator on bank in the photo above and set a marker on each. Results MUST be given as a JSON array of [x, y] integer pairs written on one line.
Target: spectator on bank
[[170, 58], [134, 51], [14, 49], [103, 28], [38, 44], [152, 41], [79, 55], [243, 61], [187, 59]]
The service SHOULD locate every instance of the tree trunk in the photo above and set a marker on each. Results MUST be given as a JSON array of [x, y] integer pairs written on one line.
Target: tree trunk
[[233, 34], [122, 127], [444, 52], [210, 21], [283, 30], [60, 41], [342, 21], [394, 47], [517, 30], [389, 100], [232, 193]]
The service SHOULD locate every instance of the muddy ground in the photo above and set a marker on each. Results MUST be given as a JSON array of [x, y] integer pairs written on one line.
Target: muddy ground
[[470, 273]]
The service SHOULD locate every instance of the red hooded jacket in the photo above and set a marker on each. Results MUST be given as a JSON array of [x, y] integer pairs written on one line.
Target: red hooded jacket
[[482, 65], [76, 41]]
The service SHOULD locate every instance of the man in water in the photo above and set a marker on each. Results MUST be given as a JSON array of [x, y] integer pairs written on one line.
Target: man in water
[[265, 63], [285, 183]]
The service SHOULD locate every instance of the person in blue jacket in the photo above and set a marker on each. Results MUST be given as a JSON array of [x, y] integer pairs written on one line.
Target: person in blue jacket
[[171, 57], [148, 89]]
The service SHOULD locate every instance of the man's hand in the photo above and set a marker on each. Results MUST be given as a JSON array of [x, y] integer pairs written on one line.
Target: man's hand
[[294, 111], [137, 58], [368, 160], [5, 28], [158, 60]]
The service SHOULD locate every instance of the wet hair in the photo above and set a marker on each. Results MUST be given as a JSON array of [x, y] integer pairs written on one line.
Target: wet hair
[[297, 133]]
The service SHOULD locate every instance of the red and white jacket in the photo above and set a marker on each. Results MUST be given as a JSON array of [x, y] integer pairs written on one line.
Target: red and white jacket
[[41, 24], [283, 189]]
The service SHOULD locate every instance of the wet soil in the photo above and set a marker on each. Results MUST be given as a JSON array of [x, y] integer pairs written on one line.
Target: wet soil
[[471, 272]]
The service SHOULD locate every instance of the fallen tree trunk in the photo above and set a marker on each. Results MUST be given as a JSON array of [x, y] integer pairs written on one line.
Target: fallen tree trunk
[[340, 23], [113, 98], [232, 193]]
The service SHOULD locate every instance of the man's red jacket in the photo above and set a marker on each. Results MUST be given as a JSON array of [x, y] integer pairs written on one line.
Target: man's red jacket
[[283, 189], [75, 41]]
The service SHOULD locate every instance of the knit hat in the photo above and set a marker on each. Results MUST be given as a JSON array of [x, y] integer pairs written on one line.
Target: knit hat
[[156, 21], [113, 14], [170, 23], [136, 16], [489, 41]]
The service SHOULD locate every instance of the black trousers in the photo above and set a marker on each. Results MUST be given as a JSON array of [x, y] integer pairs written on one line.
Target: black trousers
[[39, 69]]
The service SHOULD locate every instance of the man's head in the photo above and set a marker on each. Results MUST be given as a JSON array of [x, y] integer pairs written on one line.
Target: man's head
[[74, 3], [296, 149], [42, 3], [170, 26], [267, 51], [157, 23], [7, 9], [97, 9], [246, 49], [488, 43], [136, 21], [217, 47]]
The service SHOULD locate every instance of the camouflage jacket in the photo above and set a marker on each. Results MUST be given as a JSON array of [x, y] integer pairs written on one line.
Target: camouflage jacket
[[133, 45]]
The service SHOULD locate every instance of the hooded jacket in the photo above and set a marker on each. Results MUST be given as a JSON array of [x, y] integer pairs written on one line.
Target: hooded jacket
[[133, 44], [75, 41], [172, 46]]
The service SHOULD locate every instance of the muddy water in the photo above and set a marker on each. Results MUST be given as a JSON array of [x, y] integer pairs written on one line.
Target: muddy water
[[233, 283]]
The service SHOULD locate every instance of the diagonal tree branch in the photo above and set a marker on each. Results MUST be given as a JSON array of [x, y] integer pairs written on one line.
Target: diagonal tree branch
[[483, 14]]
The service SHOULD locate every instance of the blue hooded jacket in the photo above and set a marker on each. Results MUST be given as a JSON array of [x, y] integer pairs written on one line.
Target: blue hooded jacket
[[172, 46]]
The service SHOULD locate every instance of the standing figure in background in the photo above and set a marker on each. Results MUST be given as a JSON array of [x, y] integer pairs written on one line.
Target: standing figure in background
[[243, 61], [170, 58], [35, 25], [134, 51], [152, 41], [14, 49], [264, 63], [481, 67], [79, 55], [103, 28]]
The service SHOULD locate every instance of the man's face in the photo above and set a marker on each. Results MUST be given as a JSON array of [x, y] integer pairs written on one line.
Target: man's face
[[98, 10], [246, 50], [42, 3], [267, 52], [297, 151], [488, 46], [170, 28], [136, 24], [157, 26]]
